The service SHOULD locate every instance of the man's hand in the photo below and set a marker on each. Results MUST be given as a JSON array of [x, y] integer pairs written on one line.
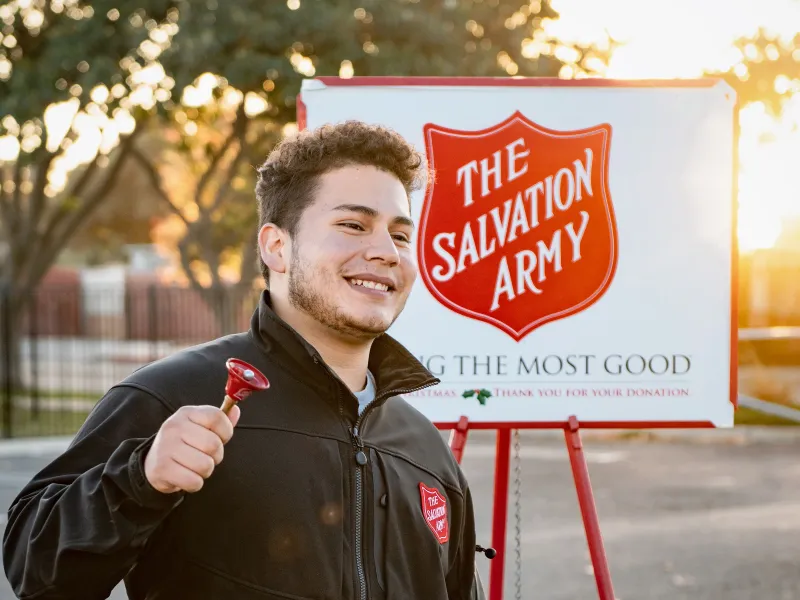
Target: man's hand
[[187, 447]]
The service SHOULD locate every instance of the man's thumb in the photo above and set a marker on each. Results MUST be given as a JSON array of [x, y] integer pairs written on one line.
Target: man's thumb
[[234, 413]]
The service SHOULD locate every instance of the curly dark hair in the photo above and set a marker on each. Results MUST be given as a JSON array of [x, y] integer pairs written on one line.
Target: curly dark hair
[[289, 178]]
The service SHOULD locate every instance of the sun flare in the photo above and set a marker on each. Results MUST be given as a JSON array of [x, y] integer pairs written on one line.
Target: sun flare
[[769, 148]]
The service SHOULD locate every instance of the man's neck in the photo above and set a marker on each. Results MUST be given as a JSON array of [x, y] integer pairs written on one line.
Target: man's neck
[[348, 358]]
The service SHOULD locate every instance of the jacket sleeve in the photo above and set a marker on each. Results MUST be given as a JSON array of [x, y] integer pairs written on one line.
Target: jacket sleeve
[[77, 527], [463, 582]]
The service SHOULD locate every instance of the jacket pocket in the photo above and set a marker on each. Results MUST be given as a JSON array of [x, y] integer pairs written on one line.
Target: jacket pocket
[[418, 541]]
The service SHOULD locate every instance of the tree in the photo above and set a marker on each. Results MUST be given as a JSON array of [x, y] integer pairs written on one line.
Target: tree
[[69, 75], [768, 72], [254, 63], [127, 216], [203, 178]]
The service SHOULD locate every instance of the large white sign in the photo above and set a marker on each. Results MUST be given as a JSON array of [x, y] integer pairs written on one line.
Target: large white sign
[[576, 249]]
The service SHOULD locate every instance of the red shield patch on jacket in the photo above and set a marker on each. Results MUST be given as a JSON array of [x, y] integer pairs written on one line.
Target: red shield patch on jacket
[[434, 509], [518, 227]]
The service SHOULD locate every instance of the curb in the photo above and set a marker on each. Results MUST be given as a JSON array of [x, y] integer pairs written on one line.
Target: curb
[[741, 435], [35, 446]]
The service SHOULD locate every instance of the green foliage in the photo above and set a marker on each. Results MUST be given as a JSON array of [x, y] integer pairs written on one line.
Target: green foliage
[[249, 42], [74, 49], [55, 50]]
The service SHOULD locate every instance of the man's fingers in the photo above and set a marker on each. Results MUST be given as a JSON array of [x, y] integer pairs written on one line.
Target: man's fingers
[[185, 479], [194, 460], [189, 445], [212, 418], [204, 440]]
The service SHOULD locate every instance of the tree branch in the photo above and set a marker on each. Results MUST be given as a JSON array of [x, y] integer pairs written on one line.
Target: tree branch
[[207, 250], [84, 179], [157, 183], [249, 269], [37, 195], [78, 217], [239, 121], [14, 221], [225, 185], [52, 245], [16, 195], [77, 187], [62, 209], [183, 250], [5, 204]]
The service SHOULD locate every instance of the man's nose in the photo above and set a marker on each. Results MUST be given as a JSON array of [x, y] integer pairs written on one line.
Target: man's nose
[[382, 247]]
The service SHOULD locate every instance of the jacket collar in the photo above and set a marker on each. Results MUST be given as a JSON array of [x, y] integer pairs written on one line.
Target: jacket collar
[[395, 369]]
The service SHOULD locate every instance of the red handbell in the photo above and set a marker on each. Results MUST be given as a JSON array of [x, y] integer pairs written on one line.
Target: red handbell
[[243, 380]]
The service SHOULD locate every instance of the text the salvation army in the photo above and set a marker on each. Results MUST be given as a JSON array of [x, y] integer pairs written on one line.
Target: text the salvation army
[[519, 215], [436, 512]]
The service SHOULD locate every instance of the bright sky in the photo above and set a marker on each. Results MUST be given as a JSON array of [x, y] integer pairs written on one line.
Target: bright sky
[[681, 38], [677, 38]]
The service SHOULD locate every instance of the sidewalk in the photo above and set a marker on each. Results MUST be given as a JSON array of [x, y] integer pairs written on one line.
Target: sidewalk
[[742, 435]]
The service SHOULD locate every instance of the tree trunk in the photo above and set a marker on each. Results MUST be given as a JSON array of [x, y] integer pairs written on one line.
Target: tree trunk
[[11, 313], [226, 303]]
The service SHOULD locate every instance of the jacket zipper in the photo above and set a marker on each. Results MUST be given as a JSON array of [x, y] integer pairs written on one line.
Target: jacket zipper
[[361, 461]]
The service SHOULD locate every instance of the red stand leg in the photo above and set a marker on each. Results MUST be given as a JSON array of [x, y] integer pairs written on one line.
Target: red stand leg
[[583, 486], [501, 475], [458, 438]]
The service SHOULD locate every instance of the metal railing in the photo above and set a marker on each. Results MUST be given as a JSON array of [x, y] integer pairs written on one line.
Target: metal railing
[[62, 348]]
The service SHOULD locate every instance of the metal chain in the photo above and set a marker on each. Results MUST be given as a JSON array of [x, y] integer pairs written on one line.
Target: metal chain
[[518, 514]]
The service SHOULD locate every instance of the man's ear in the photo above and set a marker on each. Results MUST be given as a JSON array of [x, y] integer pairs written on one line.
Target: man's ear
[[272, 245]]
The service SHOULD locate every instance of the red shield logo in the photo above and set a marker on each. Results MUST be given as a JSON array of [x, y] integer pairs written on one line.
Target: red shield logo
[[518, 228], [434, 509]]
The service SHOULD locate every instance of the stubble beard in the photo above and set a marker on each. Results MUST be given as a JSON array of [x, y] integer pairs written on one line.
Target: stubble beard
[[304, 296]]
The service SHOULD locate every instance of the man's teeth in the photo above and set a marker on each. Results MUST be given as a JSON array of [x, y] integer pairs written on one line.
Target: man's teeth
[[371, 284]]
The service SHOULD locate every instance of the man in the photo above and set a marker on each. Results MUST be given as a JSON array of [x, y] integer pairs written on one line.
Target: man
[[320, 487]]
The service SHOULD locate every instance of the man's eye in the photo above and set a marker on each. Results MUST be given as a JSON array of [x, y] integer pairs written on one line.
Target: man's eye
[[356, 226], [402, 237]]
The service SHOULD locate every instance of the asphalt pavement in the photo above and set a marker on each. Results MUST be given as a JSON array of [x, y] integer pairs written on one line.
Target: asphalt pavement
[[710, 518]]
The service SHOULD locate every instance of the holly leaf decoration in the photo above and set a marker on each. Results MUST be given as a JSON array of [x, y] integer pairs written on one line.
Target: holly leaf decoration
[[481, 395]]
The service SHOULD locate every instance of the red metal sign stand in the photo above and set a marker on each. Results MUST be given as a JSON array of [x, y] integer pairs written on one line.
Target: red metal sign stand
[[458, 438], [583, 487]]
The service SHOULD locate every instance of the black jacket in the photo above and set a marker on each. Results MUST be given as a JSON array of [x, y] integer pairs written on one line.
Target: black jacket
[[290, 513]]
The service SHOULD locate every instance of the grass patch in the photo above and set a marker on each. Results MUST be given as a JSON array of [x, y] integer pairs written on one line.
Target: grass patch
[[56, 394], [24, 423], [748, 416]]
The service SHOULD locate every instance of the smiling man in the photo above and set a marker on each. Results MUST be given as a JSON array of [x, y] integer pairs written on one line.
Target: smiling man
[[328, 485]]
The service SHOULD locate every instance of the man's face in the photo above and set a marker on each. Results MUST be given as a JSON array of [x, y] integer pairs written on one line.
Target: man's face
[[352, 263]]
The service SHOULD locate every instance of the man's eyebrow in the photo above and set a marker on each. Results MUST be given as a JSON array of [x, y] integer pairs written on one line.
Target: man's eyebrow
[[368, 211]]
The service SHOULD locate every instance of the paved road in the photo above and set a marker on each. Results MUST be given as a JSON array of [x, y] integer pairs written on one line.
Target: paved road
[[681, 520]]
